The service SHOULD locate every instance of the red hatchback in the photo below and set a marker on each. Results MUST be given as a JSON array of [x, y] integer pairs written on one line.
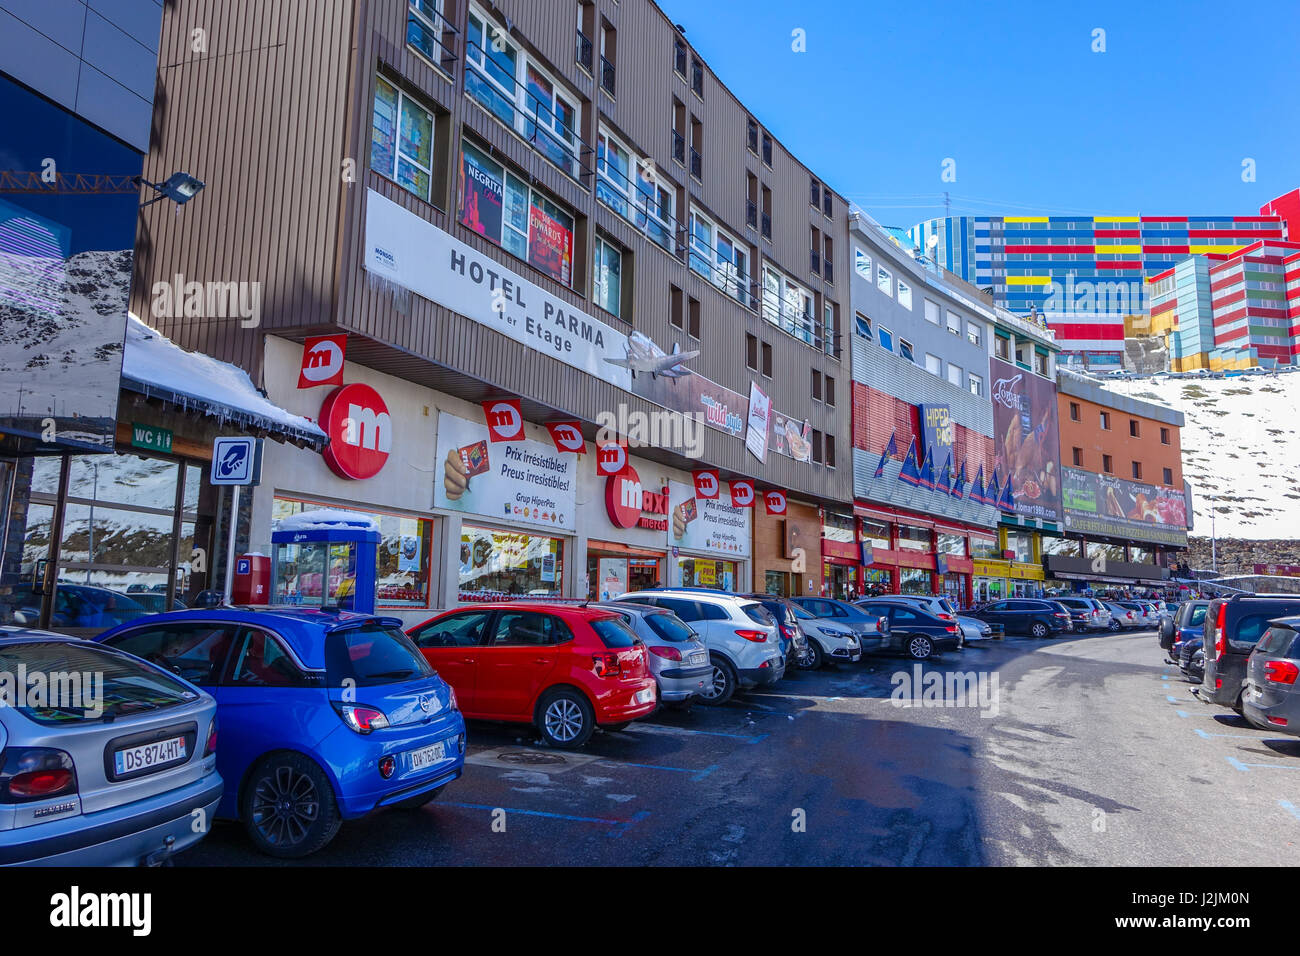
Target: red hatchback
[[563, 668]]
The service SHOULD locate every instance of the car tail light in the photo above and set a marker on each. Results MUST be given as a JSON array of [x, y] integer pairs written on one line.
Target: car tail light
[[667, 653], [363, 720], [386, 766], [607, 665], [1279, 721], [36, 773], [951, 628], [1220, 638], [1061, 614], [758, 637], [944, 616], [211, 746], [787, 632], [1218, 683], [1281, 672]]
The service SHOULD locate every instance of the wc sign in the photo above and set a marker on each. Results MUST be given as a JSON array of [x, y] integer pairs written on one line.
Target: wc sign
[[322, 361]]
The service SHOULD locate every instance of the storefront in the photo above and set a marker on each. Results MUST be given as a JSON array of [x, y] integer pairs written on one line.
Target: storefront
[[908, 553], [841, 556], [710, 541], [626, 529]]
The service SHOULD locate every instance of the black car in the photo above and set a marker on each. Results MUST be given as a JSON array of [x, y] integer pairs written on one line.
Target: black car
[[913, 630], [794, 643], [1190, 660], [1232, 628], [1025, 616]]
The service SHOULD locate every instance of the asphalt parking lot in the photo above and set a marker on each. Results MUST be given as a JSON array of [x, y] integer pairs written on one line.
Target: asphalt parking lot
[[1082, 750]]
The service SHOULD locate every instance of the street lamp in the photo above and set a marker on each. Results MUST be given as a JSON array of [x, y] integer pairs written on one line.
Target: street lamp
[[180, 188]]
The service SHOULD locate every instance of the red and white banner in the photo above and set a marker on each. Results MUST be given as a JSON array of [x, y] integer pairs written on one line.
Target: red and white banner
[[505, 421], [610, 459], [742, 494], [775, 502], [322, 360], [707, 483], [567, 436]]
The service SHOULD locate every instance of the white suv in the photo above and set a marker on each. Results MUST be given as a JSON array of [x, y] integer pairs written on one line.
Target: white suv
[[743, 639]]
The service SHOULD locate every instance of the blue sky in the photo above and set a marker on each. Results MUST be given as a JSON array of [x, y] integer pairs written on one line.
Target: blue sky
[[1036, 122]]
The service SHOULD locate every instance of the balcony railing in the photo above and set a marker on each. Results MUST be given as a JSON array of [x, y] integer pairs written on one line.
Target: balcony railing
[[697, 164], [607, 76], [725, 274], [679, 147], [585, 52], [634, 203], [751, 213], [801, 325], [431, 34], [828, 269], [536, 121], [767, 225], [816, 262]]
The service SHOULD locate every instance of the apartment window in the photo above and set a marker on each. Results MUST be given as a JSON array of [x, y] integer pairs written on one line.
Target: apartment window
[[1137, 470], [954, 324], [500, 206], [751, 351], [817, 446], [679, 57], [1075, 412], [1133, 428], [862, 325], [401, 140], [634, 188], [675, 307], [886, 339], [904, 294], [954, 374], [1002, 348], [1105, 421], [816, 251], [767, 150], [831, 328], [828, 203], [830, 450], [697, 78], [973, 334], [788, 305], [1040, 363], [751, 137], [608, 51], [932, 311], [425, 28], [1107, 465], [693, 317], [816, 385], [767, 214], [1164, 436], [906, 351], [751, 200], [976, 384], [767, 359], [828, 260], [862, 263], [1077, 457], [719, 257], [679, 131], [697, 149], [933, 364], [885, 281], [1167, 476], [607, 277], [586, 25], [815, 193]]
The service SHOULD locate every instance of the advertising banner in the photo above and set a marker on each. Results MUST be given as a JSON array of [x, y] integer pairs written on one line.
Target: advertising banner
[[1027, 440], [481, 199], [704, 524], [760, 411], [791, 437], [521, 482], [550, 245], [937, 432], [1106, 505]]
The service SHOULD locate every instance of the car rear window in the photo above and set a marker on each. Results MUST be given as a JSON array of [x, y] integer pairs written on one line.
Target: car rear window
[[66, 682], [1276, 640], [370, 655], [1197, 618], [780, 613], [669, 627], [758, 614], [614, 633]]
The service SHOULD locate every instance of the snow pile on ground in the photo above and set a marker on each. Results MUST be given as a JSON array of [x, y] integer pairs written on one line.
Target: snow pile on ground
[[1239, 448]]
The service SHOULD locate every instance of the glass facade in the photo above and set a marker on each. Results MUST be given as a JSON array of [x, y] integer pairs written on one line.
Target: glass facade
[[707, 573], [506, 564]]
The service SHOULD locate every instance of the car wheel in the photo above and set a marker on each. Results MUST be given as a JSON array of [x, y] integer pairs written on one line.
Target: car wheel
[[721, 685], [1113, 625], [414, 803], [919, 647], [288, 806], [565, 718], [815, 657], [1237, 707], [1038, 629]]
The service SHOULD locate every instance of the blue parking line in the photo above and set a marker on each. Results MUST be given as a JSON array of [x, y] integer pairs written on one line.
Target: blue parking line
[[1263, 766], [1290, 808], [1208, 735], [1182, 713], [619, 825], [697, 774], [668, 729], [1172, 700], [1234, 762]]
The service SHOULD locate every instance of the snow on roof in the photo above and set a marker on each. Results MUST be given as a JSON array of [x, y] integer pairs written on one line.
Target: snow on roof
[[160, 367], [327, 519]]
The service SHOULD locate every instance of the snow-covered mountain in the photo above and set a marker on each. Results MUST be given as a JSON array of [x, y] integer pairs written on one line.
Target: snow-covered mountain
[[1240, 452]]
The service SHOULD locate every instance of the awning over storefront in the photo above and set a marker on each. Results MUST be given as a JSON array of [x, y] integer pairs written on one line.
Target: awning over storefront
[[1115, 572], [156, 367]]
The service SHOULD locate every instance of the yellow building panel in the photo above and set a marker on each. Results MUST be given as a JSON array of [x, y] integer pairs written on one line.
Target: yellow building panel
[[1116, 219], [1197, 250], [1024, 219], [1028, 280], [1102, 247]]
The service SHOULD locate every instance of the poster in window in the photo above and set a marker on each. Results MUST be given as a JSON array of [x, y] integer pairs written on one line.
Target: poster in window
[[481, 197], [550, 245]]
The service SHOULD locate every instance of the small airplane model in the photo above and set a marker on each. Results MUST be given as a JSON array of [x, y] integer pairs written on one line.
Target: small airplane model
[[644, 356]]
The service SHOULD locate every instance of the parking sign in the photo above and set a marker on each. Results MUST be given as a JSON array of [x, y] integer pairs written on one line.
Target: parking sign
[[236, 461]]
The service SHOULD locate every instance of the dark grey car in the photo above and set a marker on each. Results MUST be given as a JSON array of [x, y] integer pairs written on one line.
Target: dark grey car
[[1269, 697], [675, 654], [872, 629]]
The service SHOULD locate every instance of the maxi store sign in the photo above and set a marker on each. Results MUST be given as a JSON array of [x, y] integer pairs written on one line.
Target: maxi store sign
[[631, 506], [413, 253], [517, 482]]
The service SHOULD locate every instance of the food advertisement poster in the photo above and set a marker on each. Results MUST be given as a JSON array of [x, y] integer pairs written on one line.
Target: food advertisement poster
[[791, 437], [703, 524], [519, 482], [1027, 440], [1106, 505]]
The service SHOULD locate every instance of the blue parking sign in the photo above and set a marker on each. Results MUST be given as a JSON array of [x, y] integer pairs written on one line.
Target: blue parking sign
[[236, 461]]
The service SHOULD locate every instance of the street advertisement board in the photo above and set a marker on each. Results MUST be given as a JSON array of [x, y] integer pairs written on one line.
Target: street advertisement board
[[1117, 507], [791, 437], [704, 524], [1026, 439]]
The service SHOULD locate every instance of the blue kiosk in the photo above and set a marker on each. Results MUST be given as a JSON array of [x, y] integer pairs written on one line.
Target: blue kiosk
[[325, 558]]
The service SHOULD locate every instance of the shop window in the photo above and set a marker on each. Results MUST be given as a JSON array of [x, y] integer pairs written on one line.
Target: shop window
[[611, 575], [954, 544], [984, 549], [911, 581], [707, 573], [402, 561], [507, 564], [912, 538], [401, 140], [876, 533]]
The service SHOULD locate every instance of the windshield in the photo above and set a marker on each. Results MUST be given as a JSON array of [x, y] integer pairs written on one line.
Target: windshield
[[372, 654], [68, 682], [669, 627]]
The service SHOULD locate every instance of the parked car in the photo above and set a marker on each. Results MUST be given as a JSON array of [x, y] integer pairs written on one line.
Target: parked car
[[1086, 614], [1037, 618], [974, 629], [1144, 615], [793, 638], [871, 630], [1269, 697], [325, 715], [741, 635], [915, 631], [1233, 626], [563, 668], [677, 657], [936, 604], [75, 606], [824, 640], [1123, 618], [113, 779], [1188, 624]]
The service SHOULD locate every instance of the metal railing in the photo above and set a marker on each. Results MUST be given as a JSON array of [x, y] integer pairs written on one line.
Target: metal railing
[[828, 269], [767, 225], [679, 147], [697, 164], [428, 30], [802, 326], [642, 209], [585, 52], [607, 76], [751, 213], [816, 262]]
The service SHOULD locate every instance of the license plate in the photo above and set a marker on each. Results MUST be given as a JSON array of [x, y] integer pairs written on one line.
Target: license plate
[[699, 657], [428, 756], [145, 756]]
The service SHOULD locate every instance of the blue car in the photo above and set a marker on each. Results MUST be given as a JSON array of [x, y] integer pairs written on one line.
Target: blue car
[[325, 715]]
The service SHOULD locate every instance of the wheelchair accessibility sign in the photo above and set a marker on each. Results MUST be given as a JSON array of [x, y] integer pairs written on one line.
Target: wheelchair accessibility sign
[[236, 461]]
